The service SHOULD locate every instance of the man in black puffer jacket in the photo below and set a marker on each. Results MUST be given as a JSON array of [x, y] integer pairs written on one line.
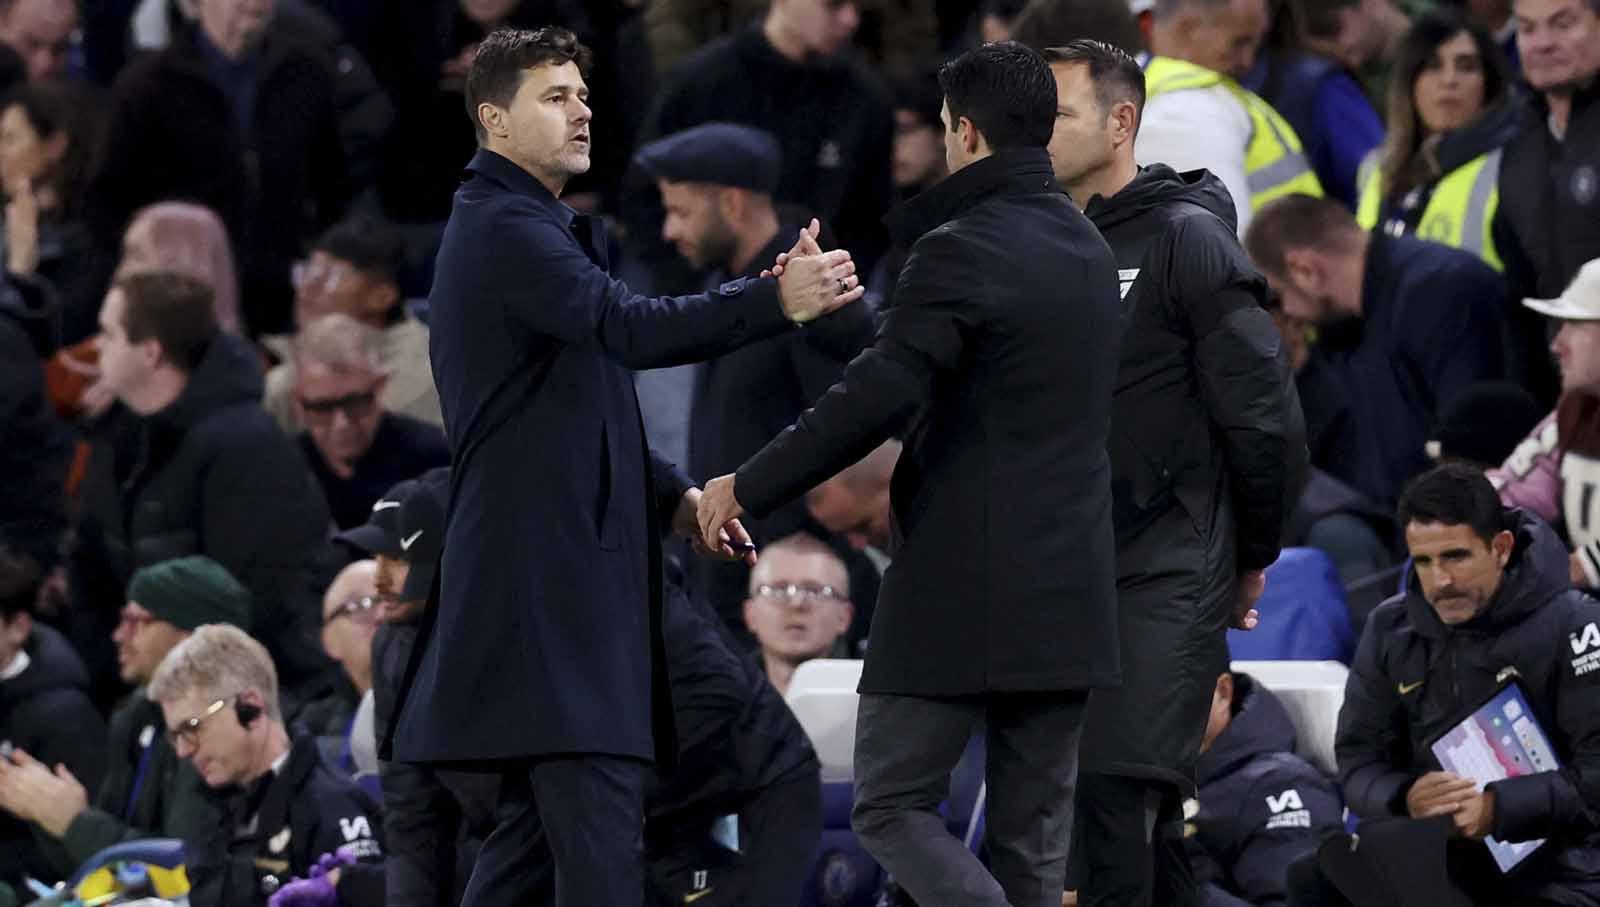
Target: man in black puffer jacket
[[34, 446], [1261, 806], [190, 463], [1206, 447], [1489, 600]]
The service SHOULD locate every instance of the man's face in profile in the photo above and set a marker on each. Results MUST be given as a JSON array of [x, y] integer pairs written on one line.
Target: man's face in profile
[[549, 121]]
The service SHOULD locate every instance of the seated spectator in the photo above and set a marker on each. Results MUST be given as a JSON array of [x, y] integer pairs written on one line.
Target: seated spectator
[[354, 270], [147, 791], [190, 464], [1260, 806], [45, 713], [799, 605], [1197, 116], [34, 445], [918, 135], [1551, 473], [1487, 599], [354, 446], [1548, 222], [434, 820], [1437, 175], [48, 132], [349, 622], [1316, 92], [180, 237], [239, 116], [283, 807], [1404, 325], [855, 503], [41, 32]]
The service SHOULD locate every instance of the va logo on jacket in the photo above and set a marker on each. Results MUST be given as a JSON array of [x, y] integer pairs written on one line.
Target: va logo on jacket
[[357, 834], [1126, 277], [1586, 645], [1287, 811]]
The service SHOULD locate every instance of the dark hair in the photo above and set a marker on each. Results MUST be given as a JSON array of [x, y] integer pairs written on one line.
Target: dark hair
[[366, 243], [1116, 74], [1051, 23], [175, 310], [20, 579], [61, 106], [1455, 494], [1403, 168], [1006, 90], [503, 56], [920, 94], [1297, 221]]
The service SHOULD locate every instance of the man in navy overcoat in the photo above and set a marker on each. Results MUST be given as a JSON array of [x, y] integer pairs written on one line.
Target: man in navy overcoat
[[542, 659]]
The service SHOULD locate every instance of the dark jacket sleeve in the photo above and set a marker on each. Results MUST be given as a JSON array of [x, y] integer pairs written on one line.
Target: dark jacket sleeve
[[669, 483], [1246, 384], [576, 302], [1563, 803], [78, 738], [1521, 274], [1372, 729], [421, 822], [830, 343], [1271, 841], [921, 337], [1458, 334], [186, 811]]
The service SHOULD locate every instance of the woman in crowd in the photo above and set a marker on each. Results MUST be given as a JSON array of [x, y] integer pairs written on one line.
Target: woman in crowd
[[48, 131], [1450, 111]]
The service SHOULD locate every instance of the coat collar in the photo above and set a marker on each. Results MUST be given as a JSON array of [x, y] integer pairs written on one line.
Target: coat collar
[[510, 176], [1012, 171]]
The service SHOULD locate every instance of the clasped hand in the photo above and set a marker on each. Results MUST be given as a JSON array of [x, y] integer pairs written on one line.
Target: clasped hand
[[811, 282]]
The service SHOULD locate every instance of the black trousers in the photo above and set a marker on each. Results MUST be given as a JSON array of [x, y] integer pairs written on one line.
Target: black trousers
[[569, 833], [1127, 844], [778, 833]]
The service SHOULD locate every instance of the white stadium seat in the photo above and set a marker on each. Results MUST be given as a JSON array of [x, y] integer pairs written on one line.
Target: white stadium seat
[[822, 694], [1312, 691]]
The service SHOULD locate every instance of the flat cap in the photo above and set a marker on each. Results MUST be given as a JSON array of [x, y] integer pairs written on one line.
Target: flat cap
[[722, 154]]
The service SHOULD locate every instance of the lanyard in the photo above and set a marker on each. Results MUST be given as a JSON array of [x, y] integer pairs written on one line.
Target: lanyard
[[147, 746]]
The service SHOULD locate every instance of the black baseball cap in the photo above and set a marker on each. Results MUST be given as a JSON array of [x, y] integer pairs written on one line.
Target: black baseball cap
[[421, 531], [380, 534]]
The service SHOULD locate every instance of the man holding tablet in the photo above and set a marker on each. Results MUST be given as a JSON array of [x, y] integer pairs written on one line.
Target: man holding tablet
[[1489, 643]]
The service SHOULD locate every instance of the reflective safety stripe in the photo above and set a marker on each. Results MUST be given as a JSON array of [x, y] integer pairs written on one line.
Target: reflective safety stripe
[[1475, 219]]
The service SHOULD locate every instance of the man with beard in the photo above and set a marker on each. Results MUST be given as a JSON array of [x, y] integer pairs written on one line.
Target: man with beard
[[1206, 432]]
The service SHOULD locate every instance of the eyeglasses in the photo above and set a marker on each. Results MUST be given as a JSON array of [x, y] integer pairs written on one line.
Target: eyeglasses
[[357, 609], [796, 593], [305, 275], [354, 406], [188, 730]]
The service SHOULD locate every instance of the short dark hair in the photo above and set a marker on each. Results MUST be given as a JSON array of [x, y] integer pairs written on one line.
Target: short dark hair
[[1297, 221], [1007, 90], [175, 310], [20, 579], [60, 106], [1453, 495], [503, 56], [1115, 73], [366, 243], [920, 93], [1049, 23]]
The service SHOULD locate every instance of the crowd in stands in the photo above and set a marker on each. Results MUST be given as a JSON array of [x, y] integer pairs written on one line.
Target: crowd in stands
[[224, 476]]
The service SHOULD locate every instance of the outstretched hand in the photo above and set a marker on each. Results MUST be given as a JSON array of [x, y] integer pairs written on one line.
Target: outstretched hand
[[718, 514], [730, 543], [811, 282]]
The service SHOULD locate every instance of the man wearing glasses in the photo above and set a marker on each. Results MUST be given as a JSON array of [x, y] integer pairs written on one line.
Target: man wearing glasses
[[355, 447], [283, 807], [147, 791], [349, 622], [799, 605]]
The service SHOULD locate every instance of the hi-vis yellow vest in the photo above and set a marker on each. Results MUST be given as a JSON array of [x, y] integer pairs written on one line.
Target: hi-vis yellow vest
[[1274, 162], [1460, 212]]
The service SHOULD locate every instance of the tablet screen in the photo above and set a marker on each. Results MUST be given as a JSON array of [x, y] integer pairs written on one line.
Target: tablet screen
[[1500, 739]]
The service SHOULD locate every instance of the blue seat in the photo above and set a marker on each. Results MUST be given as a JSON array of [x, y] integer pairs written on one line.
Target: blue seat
[[1304, 616], [843, 875]]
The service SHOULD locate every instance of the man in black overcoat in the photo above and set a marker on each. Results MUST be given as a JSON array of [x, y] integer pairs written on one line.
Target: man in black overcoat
[[542, 657], [996, 361]]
